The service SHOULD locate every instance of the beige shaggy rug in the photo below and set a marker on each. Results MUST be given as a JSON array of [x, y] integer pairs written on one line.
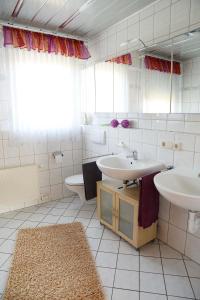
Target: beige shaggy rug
[[53, 263]]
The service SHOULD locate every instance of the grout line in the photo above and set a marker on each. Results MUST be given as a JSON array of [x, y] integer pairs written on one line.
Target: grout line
[[163, 271], [115, 270], [189, 279]]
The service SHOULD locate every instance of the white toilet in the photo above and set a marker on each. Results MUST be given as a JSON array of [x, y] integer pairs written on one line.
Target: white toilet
[[75, 184]]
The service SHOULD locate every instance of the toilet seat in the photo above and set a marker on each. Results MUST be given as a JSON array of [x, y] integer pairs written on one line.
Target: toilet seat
[[75, 180]]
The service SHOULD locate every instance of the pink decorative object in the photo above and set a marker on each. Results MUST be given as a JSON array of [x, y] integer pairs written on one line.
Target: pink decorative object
[[125, 123], [114, 123]]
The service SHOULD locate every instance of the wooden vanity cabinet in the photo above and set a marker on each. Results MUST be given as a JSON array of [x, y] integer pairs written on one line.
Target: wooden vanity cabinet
[[118, 210]]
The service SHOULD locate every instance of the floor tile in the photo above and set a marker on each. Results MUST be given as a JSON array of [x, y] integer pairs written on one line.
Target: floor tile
[[71, 213], [7, 264], [83, 221], [7, 247], [88, 207], [57, 211], [22, 216], [29, 224], [153, 283], [94, 243], [74, 205], [62, 205], [2, 241], [150, 250], [168, 252], [13, 236], [36, 217], [65, 220], [6, 232], [107, 276], [196, 287], [178, 298], [193, 268], [109, 235], [14, 223], [148, 296], [108, 260], [3, 258], [43, 210], [30, 209], [3, 221], [150, 264], [108, 292], [85, 214], [178, 286], [174, 267], [119, 294], [127, 280], [50, 219], [9, 215], [109, 246], [95, 223], [126, 248], [67, 200], [128, 262], [3, 280], [94, 232]]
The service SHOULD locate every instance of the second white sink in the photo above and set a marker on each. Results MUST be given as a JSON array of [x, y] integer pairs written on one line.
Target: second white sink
[[181, 187], [120, 167]]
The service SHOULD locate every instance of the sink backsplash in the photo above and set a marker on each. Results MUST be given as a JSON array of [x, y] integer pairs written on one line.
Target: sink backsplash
[[171, 138]]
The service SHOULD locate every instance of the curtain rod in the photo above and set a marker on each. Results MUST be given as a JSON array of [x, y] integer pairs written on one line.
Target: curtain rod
[[41, 30]]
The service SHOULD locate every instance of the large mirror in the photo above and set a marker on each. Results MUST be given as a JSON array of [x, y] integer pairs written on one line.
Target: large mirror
[[162, 78]]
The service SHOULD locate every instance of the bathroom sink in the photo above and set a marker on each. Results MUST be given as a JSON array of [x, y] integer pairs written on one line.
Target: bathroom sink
[[181, 187], [120, 167]]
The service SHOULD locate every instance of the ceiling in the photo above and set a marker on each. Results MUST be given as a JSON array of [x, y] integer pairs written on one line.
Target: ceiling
[[83, 18]]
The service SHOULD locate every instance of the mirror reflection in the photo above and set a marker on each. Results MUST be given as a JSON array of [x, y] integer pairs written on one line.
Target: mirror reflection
[[162, 78]]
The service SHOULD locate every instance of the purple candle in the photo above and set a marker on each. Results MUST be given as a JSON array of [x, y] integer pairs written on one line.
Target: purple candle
[[114, 123], [125, 123]]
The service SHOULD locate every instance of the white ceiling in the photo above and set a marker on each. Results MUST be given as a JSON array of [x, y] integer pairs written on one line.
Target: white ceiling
[[76, 17]]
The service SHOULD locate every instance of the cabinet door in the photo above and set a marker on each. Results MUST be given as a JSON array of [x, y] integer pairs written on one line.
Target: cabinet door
[[106, 206], [125, 218]]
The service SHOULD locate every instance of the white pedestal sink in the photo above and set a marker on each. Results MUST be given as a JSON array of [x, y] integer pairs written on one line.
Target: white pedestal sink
[[120, 167], [181, 187]]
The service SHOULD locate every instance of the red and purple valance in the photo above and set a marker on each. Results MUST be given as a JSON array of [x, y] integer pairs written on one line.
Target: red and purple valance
[[41, 42], [123, 59], [162, 65]]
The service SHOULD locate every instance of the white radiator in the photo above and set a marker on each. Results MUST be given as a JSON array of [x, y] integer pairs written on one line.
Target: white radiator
[[19, 187]]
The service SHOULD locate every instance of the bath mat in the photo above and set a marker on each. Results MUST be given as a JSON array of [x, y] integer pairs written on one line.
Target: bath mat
[[53, 263]]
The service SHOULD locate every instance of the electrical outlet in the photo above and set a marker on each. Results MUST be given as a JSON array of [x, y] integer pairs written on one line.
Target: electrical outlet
[[45, 197], [177, 146]]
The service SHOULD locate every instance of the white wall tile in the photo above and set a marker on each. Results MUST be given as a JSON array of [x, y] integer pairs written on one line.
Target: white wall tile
[[180, 12], [178, 217], [195, 12], [183, 159], [176, 238], [146, 29], [192, 247], [162, 28]]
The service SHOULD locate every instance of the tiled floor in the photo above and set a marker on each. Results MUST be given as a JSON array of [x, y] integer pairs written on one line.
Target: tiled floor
[[156, 272]]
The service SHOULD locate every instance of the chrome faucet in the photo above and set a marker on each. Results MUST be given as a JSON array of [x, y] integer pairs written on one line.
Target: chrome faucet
[[134, 155]]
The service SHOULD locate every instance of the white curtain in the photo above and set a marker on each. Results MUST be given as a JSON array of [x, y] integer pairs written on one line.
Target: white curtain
[[45, 93], [156, 88]]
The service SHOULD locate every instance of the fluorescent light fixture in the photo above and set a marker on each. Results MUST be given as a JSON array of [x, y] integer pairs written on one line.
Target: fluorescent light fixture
[[77, 13], [17, 8]]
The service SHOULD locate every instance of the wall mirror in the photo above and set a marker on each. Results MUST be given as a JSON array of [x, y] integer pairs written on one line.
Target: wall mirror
[[162, 78]]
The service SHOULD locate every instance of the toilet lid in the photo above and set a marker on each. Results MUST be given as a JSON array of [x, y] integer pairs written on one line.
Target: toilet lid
[[75, 180]]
